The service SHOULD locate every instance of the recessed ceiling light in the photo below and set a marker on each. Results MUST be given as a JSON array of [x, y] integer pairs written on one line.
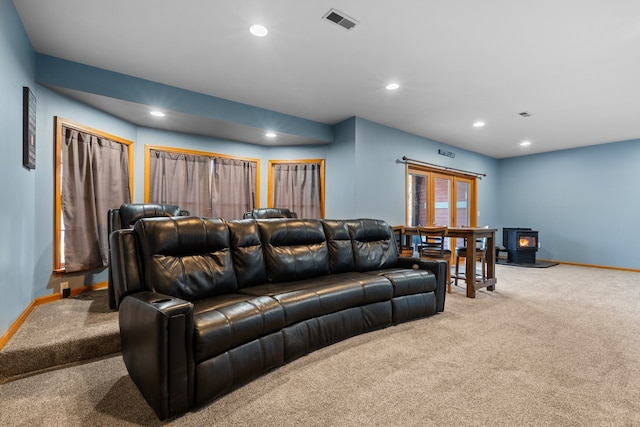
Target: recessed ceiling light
[[259, 30], [270, 134], [392, 86], [525, 143], [157, 113], [478, 124]]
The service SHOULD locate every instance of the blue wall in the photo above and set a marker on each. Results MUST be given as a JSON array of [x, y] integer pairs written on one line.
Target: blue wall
[[340, 182], [584, 202], [17, 184], [380, 173]]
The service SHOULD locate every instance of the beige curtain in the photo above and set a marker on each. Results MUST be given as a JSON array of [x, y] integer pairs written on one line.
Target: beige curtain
[[95, 178], [297, 187], [233, 187], [180, 179], [203, 185]]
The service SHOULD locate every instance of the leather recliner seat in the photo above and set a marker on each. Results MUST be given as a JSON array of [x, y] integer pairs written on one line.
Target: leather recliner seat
[[212, 304], [127, 215]]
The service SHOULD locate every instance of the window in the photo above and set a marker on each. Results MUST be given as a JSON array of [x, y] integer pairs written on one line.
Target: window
[[205, 184], [297, 185], [432, 195], [435, 198], [93, 173]]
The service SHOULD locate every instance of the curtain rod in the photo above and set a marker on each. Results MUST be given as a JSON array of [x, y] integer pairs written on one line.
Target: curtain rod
[[477, 174]]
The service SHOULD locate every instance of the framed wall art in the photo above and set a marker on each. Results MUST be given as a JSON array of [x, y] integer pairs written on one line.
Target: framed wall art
[[28, 129]]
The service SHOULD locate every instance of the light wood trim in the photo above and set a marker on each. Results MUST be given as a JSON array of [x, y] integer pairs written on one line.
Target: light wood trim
[[473, 203], [454, 199], [4, 339], [147, 164], [272, 163], [58, 267], [577, 264]]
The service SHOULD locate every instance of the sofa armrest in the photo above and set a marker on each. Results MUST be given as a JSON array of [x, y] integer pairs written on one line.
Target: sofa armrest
[[124, 266], [113, 224], [156, 333], [438, 268]]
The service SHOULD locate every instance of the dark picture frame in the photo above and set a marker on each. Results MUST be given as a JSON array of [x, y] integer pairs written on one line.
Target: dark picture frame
[[28, 128]]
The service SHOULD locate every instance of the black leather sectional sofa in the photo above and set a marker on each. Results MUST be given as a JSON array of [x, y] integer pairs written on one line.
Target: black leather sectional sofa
[[206, 304]]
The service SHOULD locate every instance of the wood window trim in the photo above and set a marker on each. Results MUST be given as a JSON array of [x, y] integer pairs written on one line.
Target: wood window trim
[[272, 163], [175, 150], [473, 188], [59, 123]]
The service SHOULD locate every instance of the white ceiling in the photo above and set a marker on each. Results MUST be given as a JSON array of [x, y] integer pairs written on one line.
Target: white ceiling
[[574, 65]]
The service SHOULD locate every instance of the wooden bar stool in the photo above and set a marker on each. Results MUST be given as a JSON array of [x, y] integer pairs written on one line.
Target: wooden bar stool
[[481, 255], [432, 241], [403, 248]]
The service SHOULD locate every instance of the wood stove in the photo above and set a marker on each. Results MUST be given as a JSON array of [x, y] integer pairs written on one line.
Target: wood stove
[[521, 244]]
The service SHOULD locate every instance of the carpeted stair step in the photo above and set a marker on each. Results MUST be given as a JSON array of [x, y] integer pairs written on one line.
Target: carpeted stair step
[[62, 332]]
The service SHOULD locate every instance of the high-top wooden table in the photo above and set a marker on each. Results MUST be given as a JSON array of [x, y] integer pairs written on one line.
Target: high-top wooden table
[[471, 234]]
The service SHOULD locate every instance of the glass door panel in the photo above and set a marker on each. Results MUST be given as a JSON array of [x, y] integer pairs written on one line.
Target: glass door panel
[[462, 215], [462, 203], [442, 201], [442, 185], [417, 199]]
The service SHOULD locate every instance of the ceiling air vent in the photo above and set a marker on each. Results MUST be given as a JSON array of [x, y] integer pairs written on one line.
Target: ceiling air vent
[[341, 19]]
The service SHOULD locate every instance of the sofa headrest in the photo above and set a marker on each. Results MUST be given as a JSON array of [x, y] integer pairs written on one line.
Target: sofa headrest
[[132, 212], [339, 244], [261, 213], [186, 257], [180, 236], [374, 245], [294, 248], [246, 252]]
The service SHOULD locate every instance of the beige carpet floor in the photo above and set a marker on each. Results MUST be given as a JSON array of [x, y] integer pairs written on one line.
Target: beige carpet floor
[[62, 332], [556, 346]]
